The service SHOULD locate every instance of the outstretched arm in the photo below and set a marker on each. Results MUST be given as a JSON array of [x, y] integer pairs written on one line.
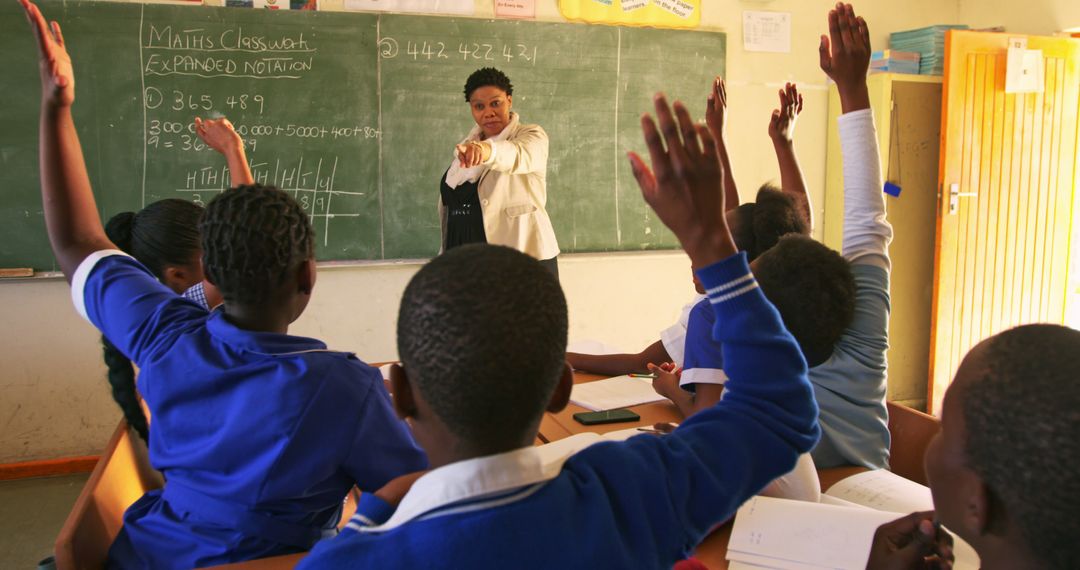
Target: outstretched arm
[[716, 119], [782, 133], [845, 57], [220, 135], [71, 215], [618, 364]]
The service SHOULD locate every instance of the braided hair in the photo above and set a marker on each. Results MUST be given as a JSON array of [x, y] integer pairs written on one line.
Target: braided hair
[[162, 234], [254, 237]]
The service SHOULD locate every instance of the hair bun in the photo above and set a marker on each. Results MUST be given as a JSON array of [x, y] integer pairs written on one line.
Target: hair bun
[[119, 229]]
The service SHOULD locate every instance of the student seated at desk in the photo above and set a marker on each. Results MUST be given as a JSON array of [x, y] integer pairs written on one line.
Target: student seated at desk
[[755, 226], [1002, 470], [259, 434], [164, 237], [477, 377], [836, 307]]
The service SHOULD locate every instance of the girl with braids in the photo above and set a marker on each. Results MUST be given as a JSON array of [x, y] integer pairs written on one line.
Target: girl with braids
[[164, 237], [259, 435]]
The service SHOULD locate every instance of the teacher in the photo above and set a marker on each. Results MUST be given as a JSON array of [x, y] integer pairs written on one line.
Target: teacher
[[495, 189]]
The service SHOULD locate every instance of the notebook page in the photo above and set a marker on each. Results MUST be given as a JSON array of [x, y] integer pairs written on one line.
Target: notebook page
[[885, 491], [809, 534], [614, 393]]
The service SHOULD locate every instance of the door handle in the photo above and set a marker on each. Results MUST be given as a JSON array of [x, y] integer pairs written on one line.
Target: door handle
[[954, 197]]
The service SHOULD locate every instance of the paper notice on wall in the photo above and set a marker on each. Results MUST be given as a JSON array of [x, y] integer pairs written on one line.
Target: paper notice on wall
[[274, 4], [677, 7], [456, 7], [1024, 68], [515, 9], [628, 5], [767, 31]]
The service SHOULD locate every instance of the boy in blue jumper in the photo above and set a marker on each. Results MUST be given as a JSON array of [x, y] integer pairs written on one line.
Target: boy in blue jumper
[[259, 434], [480, 367]]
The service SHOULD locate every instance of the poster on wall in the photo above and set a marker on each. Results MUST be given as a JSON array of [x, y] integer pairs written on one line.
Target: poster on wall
[[452, 7], [515, 9], [655, 13], [274, 4]]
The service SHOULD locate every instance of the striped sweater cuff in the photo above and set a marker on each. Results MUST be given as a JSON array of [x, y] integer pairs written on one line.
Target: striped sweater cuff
[[727, 279], [370, 511]]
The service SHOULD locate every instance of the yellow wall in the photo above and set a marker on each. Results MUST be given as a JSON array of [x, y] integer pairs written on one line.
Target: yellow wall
[[55, 399]]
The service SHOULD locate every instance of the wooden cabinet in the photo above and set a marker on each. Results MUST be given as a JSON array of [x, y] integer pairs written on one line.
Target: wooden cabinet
[[907, 112]]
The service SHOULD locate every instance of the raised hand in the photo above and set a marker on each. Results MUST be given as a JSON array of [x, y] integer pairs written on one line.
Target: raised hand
[[845, 56], [685, 185], [782, 122], [716, 110], [57, 75], [219, 135]]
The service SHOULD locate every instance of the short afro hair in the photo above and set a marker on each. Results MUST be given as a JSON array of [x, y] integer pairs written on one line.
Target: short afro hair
[[254, 237], [1022, 416], [813, 289], [482, 335], [484, 77], [759, 225]]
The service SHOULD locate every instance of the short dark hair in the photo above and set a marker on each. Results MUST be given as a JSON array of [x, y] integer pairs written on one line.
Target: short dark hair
[[482, 335], [813, 289], [254, 237], [484, 77], [760, 224], [1021, 416]]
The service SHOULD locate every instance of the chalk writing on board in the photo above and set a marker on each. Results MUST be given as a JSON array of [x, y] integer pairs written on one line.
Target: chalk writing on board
[[310, 183], [182, 101], [231, 39], [468, 51]]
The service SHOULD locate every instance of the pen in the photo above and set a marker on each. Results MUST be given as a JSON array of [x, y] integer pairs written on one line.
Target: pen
[[652, 376], [650, 430]]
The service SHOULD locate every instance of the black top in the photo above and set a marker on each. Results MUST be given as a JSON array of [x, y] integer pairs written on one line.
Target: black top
[[464, 218]]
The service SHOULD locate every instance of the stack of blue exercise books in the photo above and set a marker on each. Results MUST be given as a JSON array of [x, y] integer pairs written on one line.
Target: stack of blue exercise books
[[928, 42], [892, 61]]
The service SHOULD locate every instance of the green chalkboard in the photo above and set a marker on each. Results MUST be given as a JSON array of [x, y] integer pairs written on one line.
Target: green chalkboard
[[354, 113]]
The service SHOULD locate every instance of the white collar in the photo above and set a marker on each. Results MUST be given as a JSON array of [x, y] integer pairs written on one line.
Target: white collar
[[481, 477]]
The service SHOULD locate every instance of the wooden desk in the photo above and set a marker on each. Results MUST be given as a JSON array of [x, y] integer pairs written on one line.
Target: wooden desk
[[713, 550], [554, 427]]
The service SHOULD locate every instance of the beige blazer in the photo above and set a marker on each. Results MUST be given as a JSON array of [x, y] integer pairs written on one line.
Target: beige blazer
[[513, 194]]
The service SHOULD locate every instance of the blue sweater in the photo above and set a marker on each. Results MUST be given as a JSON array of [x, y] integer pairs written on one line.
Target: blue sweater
[[643, 503]]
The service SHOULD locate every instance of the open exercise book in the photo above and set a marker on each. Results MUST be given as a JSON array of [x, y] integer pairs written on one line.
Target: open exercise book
[[833, 534], [614, 393]]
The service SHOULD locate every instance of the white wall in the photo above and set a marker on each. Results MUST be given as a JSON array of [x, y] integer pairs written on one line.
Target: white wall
[[55, 401]]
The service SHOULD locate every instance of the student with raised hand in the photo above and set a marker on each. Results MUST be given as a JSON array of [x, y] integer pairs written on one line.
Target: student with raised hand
[[1002, 469], [755, 226], [477, 377], [259, 434], [836, 306], [164, 237]]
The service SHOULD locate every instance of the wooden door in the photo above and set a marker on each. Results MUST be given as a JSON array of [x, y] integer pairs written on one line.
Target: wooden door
[[1007, 178]]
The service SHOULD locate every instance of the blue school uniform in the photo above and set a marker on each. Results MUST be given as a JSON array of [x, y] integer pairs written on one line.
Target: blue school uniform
[[259, 435], [704, 357], [642, 503]]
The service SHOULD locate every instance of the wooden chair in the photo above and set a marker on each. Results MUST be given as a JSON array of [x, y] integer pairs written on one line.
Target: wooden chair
[[120, 477], [911, 432]]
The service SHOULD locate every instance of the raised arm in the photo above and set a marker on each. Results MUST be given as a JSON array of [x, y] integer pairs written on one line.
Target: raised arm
[[71, 215], [845, 57], [220, 135], [716, 120], [782, 133]]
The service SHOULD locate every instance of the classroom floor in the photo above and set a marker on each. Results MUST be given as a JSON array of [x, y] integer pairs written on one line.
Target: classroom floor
[[31, 513]]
